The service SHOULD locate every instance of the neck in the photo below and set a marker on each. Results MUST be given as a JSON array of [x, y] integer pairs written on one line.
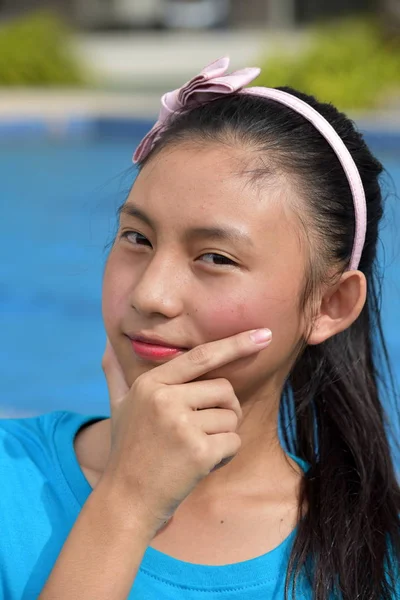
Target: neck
[[261, 457]]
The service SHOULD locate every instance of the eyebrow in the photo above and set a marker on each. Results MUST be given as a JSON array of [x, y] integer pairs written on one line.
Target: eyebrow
[[227, 234]]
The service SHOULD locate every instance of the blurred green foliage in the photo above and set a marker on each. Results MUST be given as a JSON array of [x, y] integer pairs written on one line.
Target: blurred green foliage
[[34, 51], [349, 63]]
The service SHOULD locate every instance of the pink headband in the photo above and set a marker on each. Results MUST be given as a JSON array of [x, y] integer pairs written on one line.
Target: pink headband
[[213, 82]]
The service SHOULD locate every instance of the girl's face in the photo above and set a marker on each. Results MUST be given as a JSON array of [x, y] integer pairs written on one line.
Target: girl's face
[[202, 253]]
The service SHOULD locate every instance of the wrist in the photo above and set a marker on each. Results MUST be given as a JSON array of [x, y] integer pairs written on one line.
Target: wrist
[[125, 511]]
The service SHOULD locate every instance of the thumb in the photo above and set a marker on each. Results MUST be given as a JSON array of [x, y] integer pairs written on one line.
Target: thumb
[[116, 383]]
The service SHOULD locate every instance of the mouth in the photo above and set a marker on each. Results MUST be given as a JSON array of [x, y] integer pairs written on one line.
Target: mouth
[[154, 348]]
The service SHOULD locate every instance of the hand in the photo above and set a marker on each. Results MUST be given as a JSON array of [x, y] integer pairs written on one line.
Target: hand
[[168, 431]]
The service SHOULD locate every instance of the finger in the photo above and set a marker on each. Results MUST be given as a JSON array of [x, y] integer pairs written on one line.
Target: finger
[[212, 393], [222, 463], [207, 357], [224, 446], [116, 383], [215, 420]]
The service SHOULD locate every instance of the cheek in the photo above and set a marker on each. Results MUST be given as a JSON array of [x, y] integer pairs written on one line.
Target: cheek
[[218, 318], [221, 319], [237, 313]]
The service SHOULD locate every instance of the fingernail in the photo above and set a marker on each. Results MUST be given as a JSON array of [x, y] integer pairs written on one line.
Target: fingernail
[[261, 336]]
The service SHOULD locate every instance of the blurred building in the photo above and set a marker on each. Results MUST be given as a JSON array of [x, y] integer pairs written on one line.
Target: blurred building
[[190, 13]]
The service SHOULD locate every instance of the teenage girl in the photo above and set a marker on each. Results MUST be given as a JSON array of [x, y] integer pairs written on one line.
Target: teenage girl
[[240, 302]]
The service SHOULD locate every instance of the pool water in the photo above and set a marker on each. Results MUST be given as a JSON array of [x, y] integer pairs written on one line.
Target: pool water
[[58, 202], [58, 206]]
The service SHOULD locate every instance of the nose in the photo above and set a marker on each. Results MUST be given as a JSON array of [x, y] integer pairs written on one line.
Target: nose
[[159, 290]]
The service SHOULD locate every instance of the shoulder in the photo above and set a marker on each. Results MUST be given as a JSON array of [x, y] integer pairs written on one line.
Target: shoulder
[[42, 491], [26, 433], [27, 452], [41, 428], [34, 440], [27, 423]]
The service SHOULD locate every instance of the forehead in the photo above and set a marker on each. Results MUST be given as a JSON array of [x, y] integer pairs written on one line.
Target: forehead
[[214, 183]]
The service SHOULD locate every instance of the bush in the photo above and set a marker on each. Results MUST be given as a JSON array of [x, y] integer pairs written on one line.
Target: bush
[[34, 51], [349, 63]]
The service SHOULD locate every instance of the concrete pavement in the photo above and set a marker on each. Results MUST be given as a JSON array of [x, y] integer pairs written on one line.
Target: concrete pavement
[[164, 60]]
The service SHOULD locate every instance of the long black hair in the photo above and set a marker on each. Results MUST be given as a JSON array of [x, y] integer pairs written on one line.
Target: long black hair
[[348, 536]]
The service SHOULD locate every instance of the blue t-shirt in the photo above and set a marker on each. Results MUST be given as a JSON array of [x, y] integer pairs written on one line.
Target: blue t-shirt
[[42, 492]]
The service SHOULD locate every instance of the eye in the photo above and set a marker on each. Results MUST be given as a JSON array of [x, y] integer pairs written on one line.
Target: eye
[[218, 259], [135, 238]]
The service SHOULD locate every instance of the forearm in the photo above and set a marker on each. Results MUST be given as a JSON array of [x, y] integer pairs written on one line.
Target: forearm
[[103, 552]]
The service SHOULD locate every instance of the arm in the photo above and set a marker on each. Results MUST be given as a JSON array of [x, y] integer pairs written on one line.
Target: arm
[[103, 552], [135, 498]]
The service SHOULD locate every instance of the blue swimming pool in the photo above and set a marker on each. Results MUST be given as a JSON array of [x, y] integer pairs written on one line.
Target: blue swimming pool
[[58, 204]]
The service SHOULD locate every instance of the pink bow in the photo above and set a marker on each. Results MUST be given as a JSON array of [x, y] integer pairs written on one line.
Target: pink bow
[[208, 85]]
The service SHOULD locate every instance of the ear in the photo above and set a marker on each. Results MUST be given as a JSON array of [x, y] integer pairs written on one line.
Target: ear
[[340, 306]]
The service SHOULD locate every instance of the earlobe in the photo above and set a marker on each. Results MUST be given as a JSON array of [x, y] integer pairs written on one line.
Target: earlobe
[[340, 307]]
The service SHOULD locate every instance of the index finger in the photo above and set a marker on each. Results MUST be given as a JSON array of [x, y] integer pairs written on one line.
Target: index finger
[[207, 357]]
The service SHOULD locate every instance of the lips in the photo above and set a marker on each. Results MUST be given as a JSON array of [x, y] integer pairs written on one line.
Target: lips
[[154, 349], [156, 341]]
